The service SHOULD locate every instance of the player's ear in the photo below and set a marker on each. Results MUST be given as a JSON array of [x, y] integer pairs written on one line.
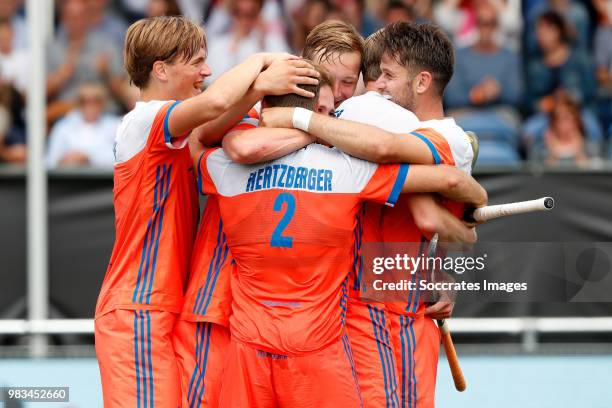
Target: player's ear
[[159, 70], [424, 82]]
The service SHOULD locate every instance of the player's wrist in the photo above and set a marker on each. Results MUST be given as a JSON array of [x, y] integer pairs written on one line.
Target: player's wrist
[[301, 119], [258, 88]]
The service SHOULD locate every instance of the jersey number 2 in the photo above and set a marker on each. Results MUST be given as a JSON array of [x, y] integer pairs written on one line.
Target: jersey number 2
[[278, 240]]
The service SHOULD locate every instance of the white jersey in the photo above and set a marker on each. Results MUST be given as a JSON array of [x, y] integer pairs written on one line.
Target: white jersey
[[374, 109], [458, 141]]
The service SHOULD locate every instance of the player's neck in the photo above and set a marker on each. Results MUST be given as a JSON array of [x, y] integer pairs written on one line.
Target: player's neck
[[155, 92], [370, 86], [429, 109]]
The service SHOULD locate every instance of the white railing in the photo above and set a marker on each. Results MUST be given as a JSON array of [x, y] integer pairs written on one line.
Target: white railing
[[503, 325]]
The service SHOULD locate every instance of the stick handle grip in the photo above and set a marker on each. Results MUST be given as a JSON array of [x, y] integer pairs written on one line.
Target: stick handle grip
[[495, 211], [451, 356]]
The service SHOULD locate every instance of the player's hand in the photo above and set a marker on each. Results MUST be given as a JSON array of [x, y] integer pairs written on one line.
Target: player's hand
[[283, 77], [483, 198], [268, 58], [471, 236], [277, 118], [440, 310]]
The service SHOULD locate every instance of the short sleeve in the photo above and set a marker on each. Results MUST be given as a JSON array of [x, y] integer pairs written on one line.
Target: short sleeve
[[386, 184], [159, 136], [249, 121], [171, 141], [381, 183], [206, 184], [437, 144]]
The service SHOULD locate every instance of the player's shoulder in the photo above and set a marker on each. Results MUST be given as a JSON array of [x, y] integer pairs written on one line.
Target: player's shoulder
[[447, 127], [359, 103], [134, 128], [456, 138]]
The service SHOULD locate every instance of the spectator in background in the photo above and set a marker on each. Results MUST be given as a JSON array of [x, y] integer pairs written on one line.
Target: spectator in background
[[565, 137], [8, 11], [486, 74], [356, 13], [77, 57], [247, 36], [311, 14], [13, 61], [458, 18], [133, 9], [558, 67], [221, 20], [85, 136], [422, 9], [399, 11], [13, 83], [603, 60], [105, 23], [487, 84], [12, 126], [159, 8], [195, 10], [574, 14]]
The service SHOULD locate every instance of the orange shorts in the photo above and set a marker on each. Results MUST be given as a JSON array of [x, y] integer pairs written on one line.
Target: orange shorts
[[201, 348], [136, 358], [417, 346], [259, 379], [369, 331]]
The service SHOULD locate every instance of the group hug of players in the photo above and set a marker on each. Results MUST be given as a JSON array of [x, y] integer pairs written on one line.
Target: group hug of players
[[261, 304]]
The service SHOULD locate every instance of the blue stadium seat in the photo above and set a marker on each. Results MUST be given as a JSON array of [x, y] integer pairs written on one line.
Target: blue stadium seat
[[489, 125], [494, 153]]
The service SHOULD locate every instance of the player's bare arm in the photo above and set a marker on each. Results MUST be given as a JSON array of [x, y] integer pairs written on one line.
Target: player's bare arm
[[263, 144], [270, 143], [357, 139], [225, 92], [446, 180], [431, 217], [282, 76]]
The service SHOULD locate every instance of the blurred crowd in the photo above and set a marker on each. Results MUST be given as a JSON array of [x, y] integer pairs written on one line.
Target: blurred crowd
[[533, 78]]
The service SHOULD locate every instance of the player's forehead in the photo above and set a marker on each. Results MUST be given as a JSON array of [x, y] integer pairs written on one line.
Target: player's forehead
[[345, 65], [198, 57], [389, 63], [326, 99]]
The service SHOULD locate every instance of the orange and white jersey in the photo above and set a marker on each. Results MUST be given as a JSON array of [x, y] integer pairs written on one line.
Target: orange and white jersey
[[448, 144], [457, 141], [451, 147], [250, 120], [289, 225], [156, 210], [208, 295], [375, 109]]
